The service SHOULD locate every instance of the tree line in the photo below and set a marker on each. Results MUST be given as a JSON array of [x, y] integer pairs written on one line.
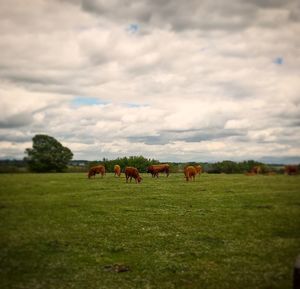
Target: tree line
[[142, 163], [139, 162], [49, 155]]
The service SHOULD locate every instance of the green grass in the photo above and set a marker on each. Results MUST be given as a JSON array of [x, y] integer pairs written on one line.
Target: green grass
[[222, 231]]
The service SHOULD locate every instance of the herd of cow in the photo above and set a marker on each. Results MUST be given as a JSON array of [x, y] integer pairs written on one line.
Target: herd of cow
[[190, 172], [132, 173], [288, 170]]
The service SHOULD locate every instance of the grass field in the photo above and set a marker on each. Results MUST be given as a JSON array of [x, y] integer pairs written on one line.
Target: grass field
[[222, 231]]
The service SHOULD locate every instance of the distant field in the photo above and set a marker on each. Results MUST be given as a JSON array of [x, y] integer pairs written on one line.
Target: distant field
[[222, 231]]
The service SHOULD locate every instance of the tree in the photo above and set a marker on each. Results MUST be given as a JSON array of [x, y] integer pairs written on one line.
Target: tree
[[47, 154], [140, 162]]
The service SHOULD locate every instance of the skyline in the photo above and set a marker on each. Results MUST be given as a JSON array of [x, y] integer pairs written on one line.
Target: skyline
[[198, 81]]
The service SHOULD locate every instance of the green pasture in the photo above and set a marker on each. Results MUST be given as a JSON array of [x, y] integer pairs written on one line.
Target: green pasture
[[221, 231]]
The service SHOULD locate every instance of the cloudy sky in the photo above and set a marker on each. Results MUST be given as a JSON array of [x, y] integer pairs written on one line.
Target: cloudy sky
[[196, 80]]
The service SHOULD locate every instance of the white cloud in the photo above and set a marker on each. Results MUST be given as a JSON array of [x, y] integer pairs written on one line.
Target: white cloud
[[193, 81], [237, 124]]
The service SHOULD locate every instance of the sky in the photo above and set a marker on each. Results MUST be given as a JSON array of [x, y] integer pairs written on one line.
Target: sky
[[197, 80]]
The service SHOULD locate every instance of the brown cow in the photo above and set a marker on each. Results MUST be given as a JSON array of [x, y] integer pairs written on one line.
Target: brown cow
[[190, 172], [96, 170], [117, 170], [131, 172], [291, 170], [154, 170], [249, 174], [198, 170], [256, 170]]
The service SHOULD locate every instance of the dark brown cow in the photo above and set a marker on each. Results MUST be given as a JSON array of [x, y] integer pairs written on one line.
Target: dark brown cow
[[190, 173], [131, 172], [291, 170], [154, 170], [117, 170], [96, 170]]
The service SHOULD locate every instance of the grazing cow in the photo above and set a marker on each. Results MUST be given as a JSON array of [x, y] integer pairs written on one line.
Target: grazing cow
[[249, 174], [198, 169], [131, 172], [154, 170], [117, 170], [96, 170], [291, 170], [190, 172], [256, 170]]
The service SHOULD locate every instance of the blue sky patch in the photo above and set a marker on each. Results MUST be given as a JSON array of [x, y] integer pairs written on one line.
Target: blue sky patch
[[134, 105], [133, 28], [278, 60], [86, 101]]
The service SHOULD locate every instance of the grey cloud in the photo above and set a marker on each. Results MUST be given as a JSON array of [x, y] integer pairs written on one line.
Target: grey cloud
[[194, 135], [151, 140], [212, 134], [280, 160], [17, 120], [180, 15], [81, 136], [290, 113], [296, 123], [29, 78], [271, 3], [177, 14], [13, 136], [295, 14], [70, 83], [236, 89]]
